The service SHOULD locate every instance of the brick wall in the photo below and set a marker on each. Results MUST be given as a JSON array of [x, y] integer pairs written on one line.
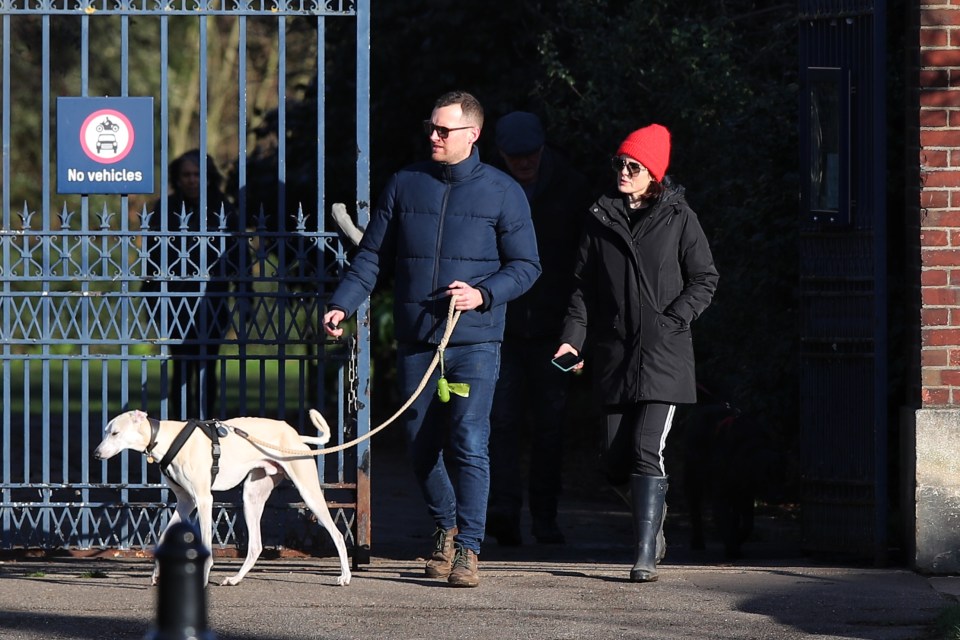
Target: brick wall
[[934, 128]]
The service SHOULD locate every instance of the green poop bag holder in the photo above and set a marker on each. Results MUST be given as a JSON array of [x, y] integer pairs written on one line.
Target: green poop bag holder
[[445, 388]]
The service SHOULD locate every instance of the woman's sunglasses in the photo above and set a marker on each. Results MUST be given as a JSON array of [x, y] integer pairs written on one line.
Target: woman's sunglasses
[[442, 132], [633, 168]]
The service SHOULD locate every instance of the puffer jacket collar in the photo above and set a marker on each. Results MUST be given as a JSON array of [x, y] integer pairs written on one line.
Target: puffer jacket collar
[[459, 172]]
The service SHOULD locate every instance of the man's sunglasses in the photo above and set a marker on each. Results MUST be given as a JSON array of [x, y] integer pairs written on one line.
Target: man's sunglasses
[[442, 132], [633, 168]]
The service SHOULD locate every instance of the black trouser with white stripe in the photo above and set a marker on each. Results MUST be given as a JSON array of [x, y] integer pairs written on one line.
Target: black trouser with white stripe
[[636, 435]]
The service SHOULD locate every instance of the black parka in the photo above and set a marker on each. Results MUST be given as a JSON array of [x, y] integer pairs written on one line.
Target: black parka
[[637, 291]]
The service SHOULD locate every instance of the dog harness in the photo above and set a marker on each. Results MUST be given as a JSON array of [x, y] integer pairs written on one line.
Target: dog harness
[[213, 429]]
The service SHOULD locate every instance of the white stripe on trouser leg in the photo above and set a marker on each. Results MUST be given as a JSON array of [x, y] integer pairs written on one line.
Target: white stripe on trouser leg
[[663, 438]]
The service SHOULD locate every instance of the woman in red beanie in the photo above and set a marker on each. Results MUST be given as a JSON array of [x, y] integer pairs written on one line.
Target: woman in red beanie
[[644, 273]]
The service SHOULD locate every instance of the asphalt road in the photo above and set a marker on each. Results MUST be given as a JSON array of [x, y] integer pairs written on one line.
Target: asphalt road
[[577, 590]]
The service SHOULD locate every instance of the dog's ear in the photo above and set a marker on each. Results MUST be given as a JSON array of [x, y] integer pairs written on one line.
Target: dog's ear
[[138, 415]]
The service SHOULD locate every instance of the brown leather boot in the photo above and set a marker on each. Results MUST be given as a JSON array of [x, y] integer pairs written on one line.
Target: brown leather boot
[[441, 560], [465, 571]]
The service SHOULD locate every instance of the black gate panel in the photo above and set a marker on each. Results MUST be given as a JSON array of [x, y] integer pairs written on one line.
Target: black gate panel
[[101, 309], [843, 284]]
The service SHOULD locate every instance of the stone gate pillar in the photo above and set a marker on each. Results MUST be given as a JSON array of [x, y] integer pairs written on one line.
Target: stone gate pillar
[[930, 444]]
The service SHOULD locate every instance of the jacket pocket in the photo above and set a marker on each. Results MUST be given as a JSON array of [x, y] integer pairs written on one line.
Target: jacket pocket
[[672, 323]]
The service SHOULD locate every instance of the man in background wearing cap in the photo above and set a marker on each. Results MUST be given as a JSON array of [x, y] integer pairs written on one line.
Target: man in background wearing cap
[[530, 387]]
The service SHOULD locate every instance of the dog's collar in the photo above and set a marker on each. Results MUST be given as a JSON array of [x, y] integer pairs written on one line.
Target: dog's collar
[[154, 432]]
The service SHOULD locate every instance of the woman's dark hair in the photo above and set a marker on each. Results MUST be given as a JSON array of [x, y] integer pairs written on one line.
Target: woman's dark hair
[[654, 190]]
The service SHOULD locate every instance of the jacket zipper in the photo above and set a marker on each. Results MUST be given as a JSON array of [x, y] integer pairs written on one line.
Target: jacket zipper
[[436, 260], [626, 235]]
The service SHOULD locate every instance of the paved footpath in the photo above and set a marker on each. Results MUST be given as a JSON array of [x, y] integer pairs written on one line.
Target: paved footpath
[[578, 590]]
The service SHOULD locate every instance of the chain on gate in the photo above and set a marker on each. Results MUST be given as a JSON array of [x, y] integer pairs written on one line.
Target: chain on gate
[[353, 401]]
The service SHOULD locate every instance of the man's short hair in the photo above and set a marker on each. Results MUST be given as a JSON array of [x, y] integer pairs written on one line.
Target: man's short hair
[[471, 107]]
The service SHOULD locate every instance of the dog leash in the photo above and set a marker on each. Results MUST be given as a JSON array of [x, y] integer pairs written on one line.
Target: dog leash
[[452, 317]]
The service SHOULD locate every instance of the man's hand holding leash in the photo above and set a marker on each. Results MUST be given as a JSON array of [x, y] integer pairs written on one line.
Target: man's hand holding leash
[[331, 322], [467, 298]]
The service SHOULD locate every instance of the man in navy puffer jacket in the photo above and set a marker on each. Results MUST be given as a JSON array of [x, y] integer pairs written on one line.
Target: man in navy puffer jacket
[[457, 227]]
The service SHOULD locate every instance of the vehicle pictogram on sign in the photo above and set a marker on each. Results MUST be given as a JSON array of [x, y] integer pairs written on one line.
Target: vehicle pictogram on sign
[[115, 154], [106, 136]]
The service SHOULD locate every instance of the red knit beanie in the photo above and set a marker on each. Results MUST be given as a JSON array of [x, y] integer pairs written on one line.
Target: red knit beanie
[[650, 146]]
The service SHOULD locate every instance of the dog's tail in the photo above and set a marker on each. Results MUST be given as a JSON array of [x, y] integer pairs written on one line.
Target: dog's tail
[[322, 427]]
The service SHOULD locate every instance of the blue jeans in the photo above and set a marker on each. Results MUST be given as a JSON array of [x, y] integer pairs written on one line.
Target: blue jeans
[[531, 392], [447, 442]]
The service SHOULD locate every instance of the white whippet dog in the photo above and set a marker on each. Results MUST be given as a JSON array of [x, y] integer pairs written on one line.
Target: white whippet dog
[[261, 469]]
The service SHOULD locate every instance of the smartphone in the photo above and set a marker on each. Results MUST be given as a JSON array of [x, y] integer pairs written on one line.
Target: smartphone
[[567, 361]]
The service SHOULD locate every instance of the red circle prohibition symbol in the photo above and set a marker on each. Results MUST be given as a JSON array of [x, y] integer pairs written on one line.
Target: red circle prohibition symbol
[[105, 131]]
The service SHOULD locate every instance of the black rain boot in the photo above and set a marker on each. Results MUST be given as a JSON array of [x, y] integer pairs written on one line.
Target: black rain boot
[[661, 539], [623, 492], [648, 494]]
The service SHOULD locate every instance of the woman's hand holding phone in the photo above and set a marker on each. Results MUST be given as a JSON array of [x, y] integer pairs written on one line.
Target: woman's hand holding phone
[[567, 359]]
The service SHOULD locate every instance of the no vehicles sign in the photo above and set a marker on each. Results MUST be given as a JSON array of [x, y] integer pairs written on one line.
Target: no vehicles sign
[[105, 145]]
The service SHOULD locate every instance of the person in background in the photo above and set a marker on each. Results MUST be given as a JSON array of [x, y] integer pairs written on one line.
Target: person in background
[[531, 391], [198, 313], [644, 272], [452, 226]]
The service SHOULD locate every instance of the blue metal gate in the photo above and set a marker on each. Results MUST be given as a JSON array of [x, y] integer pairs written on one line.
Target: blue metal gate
[[119, 302]]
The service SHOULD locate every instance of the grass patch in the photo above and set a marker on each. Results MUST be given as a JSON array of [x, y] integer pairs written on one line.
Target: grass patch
[[93, 574], [37, 574], [948, 623]]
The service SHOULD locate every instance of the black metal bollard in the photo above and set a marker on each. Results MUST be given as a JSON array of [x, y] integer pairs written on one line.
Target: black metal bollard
[[182, 596]]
